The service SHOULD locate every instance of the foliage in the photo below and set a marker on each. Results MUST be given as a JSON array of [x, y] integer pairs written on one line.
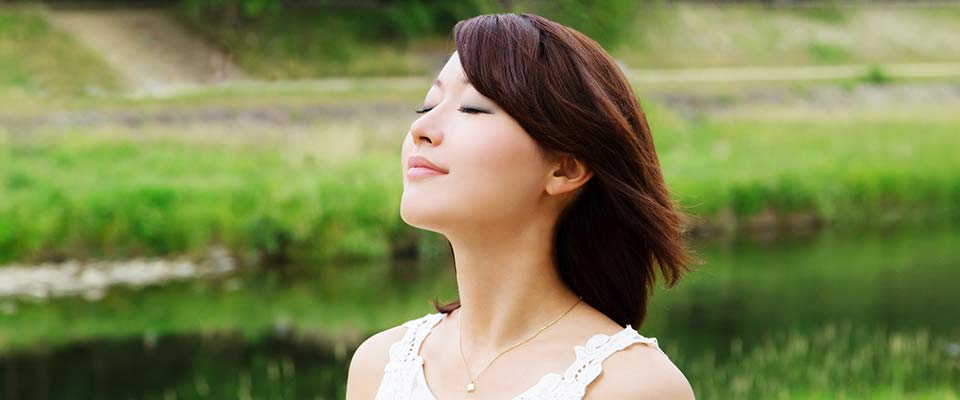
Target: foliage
[[111, 196], [605, 21], [388, 20], [245, 8], [877, 75], [333, 40], [325, 38]]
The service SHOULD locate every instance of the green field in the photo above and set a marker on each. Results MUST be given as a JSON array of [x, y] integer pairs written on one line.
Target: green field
[[108, 192]]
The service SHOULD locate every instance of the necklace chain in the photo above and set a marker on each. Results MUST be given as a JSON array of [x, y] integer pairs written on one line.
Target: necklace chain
[[472, 385]]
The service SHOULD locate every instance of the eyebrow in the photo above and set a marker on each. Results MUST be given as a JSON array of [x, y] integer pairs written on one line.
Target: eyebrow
[[439, 83]]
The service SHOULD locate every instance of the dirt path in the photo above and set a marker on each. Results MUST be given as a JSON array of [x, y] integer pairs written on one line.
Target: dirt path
[[813, 101], [792, 73], [148, 48], [946, 74]]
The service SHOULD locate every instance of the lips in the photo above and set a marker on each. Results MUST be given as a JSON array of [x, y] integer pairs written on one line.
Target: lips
[[421, 164]]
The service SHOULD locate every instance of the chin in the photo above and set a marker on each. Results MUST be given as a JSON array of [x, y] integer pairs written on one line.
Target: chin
[[420, 214]]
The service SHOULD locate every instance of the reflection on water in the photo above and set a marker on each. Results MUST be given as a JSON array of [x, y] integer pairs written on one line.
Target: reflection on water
[[191, 366], [903, 280], [859, 314]]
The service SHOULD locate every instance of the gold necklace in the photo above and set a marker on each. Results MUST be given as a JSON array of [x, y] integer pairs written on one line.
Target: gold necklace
[[472, 386]]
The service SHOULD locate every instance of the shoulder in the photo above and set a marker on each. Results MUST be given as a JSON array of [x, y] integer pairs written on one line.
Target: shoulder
[[640, 371], [369, 360]]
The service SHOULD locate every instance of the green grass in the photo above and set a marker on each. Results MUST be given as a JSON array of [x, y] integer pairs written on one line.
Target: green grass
[[827, 53], [343, 42], [752, 34], [358, 92], [313, 43], [825, 13], [847, 170], [876, 75], [107, 192], [838, 361], [99, 194], [37, 60]]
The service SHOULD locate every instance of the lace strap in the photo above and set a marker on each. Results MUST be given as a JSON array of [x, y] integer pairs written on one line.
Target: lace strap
[[400, 372], [408, 348], [589, 362]]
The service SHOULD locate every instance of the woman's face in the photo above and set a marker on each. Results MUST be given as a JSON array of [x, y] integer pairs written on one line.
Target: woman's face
[[491, 172]]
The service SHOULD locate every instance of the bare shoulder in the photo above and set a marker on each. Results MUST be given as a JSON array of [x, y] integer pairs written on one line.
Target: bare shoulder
[[640, 371], [368, 362]]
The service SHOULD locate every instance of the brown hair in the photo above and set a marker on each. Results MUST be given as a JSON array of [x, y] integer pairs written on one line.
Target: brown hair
[[570, 96]]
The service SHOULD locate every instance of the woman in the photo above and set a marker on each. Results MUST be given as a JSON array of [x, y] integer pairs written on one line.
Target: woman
[[533, 158]]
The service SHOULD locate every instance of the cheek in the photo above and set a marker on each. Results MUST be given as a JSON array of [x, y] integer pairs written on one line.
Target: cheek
[[496, 174], [405, 148], [500, 165]]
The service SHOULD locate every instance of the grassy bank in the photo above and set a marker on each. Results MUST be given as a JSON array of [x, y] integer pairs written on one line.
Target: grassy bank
[[364, 41], [834, 362], [754, 34], [336, 42], [294, 45], [114, 195], [37, 60], [404, 38], [106, 192], [746, 172]]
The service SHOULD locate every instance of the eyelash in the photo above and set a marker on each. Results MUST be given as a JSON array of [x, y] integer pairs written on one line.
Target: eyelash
[[467, 110]]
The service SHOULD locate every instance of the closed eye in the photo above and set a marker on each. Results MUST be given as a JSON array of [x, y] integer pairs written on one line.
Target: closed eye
[[468, 110]]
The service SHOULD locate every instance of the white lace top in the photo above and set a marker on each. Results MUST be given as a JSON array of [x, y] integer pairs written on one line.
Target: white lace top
[[403, 377]]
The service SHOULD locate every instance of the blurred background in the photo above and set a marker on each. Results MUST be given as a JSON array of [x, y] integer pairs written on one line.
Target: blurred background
[[199, 198]]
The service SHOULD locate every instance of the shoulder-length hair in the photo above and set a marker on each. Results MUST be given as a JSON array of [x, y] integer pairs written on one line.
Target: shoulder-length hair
[[571, 97]]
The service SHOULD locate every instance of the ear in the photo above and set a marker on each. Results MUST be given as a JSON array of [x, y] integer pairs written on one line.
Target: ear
[[567, 175]]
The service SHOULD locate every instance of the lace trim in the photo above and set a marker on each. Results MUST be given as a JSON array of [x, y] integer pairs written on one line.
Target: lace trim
[[401, 371], [587, 367], [405, 363]]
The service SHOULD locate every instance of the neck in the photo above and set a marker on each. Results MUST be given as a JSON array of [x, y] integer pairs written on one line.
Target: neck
[[509, 287]]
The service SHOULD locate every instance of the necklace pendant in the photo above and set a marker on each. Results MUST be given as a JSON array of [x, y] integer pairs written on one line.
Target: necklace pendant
[[471, 387]]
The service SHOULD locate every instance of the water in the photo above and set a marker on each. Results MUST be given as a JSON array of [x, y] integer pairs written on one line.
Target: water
[[832, 313]]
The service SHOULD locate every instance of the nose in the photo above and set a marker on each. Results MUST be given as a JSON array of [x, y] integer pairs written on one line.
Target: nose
[[424, 130]]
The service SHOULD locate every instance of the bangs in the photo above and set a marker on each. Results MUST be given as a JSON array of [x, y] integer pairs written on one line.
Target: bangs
[[498, 52]]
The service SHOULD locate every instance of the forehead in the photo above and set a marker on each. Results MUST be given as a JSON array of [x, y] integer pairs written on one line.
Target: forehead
[[452, 73]]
